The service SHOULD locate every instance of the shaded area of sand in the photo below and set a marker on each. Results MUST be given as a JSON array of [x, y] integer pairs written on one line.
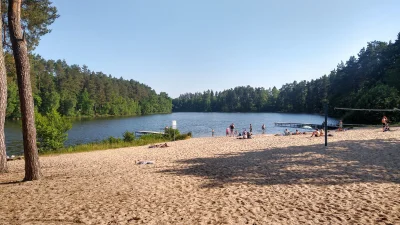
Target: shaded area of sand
[[265, 180]]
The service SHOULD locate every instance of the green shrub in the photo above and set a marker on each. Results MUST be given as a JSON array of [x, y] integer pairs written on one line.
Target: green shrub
[[149, 137], [129, 136], [51, 130], [171, 133], [112, 140], [183, 136]]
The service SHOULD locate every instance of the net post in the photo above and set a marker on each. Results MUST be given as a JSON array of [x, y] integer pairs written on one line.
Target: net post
[[326, 123]]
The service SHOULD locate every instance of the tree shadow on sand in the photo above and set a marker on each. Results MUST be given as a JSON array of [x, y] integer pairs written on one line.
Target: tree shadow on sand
[[339, 163]]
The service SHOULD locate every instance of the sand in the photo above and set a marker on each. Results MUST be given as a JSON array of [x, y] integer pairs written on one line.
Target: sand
[[220, 180]]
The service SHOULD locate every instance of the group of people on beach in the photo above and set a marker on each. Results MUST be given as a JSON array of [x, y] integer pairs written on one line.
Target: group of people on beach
[[232, 132], [316, 133], [286, 132]]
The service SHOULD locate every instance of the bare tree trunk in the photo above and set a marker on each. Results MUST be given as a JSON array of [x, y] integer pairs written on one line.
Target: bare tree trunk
[[3, 104], [20, 51]]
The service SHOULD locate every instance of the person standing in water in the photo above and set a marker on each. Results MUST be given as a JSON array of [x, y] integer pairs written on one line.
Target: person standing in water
[[232, 127], [251, 128], [263, 128]]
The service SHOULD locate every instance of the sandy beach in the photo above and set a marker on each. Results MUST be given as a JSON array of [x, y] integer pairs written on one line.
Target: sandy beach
[[217, 180]]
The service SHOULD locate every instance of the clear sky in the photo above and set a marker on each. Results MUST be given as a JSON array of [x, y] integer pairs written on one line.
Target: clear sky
[[179, 46]]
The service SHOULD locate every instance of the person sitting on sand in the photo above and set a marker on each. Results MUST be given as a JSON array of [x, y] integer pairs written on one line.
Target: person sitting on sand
[[316, 133], [321, 132], [244, 133], [386, 128], [297, 132], [287, 132]]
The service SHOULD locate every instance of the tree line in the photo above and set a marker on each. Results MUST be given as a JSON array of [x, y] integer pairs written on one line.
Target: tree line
[[75, 90], [369, 81]]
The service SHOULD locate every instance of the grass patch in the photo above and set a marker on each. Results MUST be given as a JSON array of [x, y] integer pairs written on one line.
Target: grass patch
[[112, 143]]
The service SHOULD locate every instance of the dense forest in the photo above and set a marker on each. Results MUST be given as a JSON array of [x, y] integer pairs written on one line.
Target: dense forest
[[76, 91], [369, 81]]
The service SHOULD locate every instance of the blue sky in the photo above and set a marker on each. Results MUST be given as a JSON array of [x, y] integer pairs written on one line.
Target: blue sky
[[179, 46]]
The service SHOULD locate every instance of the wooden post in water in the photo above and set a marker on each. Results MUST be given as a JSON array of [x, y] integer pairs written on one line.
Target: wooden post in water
[[326, 123]]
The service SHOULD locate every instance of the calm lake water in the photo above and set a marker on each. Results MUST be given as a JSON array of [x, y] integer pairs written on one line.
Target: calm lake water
[[200, 124]]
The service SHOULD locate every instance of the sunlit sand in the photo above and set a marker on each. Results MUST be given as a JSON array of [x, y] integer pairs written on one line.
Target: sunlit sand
[[220, 180]]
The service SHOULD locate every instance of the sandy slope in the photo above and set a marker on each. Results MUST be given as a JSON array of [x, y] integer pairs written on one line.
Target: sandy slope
[[222, 180]]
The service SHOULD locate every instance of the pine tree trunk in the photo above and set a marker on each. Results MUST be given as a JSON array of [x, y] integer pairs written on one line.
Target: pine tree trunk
[[3, 103], [20, 51]]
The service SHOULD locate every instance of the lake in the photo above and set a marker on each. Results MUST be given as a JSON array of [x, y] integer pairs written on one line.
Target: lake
[[200, 124]]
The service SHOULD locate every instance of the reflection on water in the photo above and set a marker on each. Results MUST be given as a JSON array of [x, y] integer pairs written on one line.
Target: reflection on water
[[200, 124], [13, 133]]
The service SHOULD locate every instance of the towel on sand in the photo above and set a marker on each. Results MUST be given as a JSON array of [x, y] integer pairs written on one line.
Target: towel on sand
[[142, 162]]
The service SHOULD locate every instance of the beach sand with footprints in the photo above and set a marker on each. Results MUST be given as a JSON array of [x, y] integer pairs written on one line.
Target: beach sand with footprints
[[221, 180]]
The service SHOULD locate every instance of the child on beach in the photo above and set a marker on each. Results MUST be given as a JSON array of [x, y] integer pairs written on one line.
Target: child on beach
[[340, 125], [384, 123]]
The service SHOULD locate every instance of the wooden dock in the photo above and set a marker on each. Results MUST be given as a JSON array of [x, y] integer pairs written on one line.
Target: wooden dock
[[143, 132], [305, 125]]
